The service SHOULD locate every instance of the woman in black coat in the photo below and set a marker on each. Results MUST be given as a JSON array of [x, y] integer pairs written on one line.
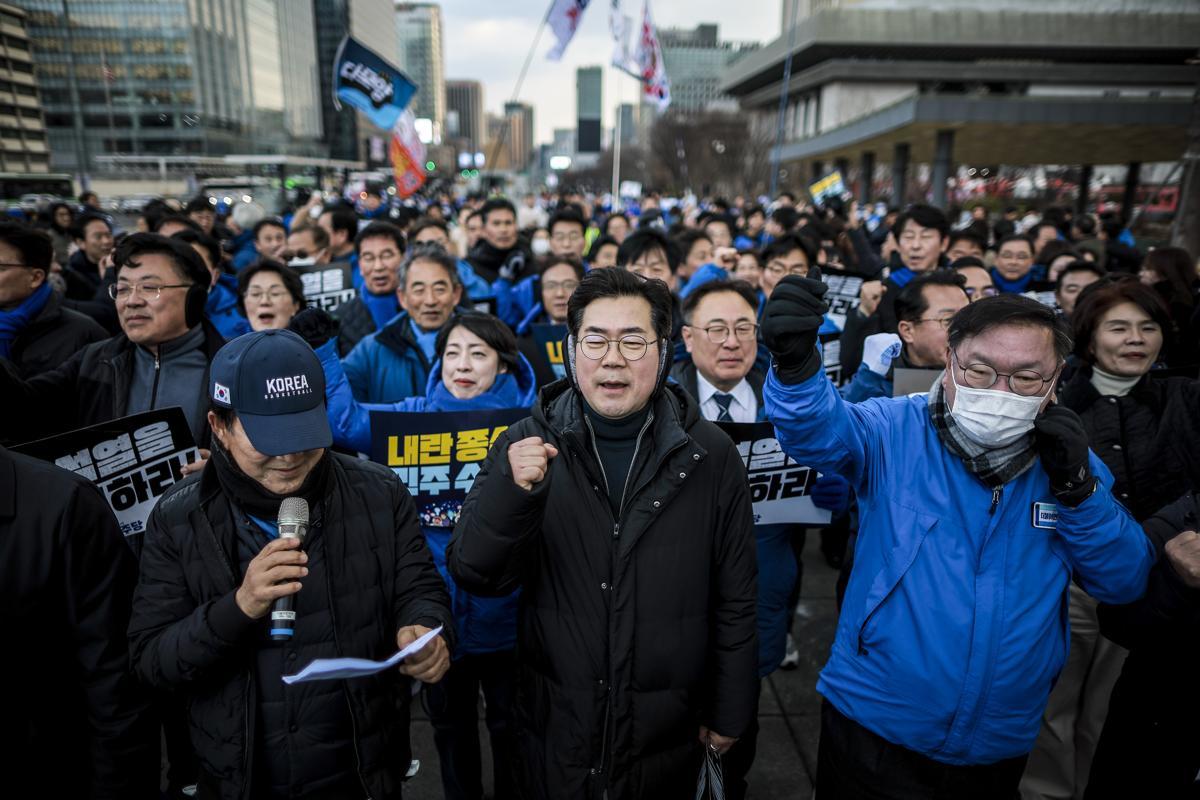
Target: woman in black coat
[[1150, 746], [1171, 272], [1120, 330]]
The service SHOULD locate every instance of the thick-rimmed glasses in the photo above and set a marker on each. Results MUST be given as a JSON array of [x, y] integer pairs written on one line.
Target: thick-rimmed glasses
[[631, 347], [148, 291], [717, 334], [1025, 382]]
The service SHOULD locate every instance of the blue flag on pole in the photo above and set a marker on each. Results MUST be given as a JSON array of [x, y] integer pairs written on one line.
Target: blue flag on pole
[[362, 79]]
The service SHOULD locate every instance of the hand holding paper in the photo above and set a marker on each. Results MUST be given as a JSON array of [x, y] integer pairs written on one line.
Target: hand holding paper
[[426, 664], [324, 669]]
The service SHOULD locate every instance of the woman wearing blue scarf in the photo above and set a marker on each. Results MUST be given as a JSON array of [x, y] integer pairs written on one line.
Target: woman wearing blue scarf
[[477, 367]]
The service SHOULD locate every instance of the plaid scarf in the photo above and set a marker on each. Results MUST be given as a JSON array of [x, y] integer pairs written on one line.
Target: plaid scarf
[[994, 466]]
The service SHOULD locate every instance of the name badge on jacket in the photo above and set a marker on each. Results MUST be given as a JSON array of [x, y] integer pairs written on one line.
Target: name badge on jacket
[[1045, 516]]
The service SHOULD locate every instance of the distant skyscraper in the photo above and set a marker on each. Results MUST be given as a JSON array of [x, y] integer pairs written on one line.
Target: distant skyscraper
[[589, 104], [201, 77], [22, 132], [520, 133], [370, 22], [422, 57], [695, 60], [464, 103]]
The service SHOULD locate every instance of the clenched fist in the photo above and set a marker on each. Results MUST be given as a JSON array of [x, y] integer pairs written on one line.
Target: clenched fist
[[530, 461], [1183, 553]]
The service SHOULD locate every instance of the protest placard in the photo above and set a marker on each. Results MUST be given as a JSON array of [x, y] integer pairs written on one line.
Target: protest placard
[[780, 488], [549, 339], [437, 455], [134, 460], [326, 286]]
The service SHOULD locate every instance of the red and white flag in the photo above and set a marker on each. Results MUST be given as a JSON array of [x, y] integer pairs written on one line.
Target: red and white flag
[[564, 19], [656, 86], [407, 155], [622, 28]]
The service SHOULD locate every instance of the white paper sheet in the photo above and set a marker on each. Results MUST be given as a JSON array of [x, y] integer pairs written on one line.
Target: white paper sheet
[[326, 669]]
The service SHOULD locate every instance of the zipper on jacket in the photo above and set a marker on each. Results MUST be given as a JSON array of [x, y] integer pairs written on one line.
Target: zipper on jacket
[[637, 446], [996, 494], [596, 452], [157, 370]]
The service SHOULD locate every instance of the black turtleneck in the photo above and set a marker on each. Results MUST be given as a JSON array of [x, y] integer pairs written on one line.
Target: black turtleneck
[[616, 442]]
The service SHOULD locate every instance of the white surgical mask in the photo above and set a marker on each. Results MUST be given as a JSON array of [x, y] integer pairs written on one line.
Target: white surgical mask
[[540, 247], [993, 418]]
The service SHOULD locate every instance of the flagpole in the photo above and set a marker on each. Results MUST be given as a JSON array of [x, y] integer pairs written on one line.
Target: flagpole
[[783, 94], [616, 173], [516, 93]]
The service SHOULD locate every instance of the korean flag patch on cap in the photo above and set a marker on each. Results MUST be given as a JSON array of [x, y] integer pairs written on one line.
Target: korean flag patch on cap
[[221, 393]]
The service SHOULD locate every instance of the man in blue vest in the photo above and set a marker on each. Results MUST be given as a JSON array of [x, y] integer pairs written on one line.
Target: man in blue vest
[[979, 504]]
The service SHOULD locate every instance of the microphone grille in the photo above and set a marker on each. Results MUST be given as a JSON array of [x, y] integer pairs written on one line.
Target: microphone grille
[[293, 510]]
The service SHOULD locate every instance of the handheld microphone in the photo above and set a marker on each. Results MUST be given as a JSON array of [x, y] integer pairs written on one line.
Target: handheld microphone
[[293, 524]]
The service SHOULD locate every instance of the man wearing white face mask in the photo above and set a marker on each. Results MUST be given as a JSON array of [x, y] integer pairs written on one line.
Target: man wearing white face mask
[[978, 504]]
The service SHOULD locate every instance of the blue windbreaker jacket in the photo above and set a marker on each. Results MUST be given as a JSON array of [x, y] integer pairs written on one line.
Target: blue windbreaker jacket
[[954, 625]]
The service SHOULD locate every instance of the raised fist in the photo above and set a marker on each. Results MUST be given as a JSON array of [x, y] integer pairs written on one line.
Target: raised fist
[[530, 461]]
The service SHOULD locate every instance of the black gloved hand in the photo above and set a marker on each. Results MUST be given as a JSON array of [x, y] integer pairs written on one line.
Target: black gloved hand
[[1062, 444], [791, 319], [315, 326]]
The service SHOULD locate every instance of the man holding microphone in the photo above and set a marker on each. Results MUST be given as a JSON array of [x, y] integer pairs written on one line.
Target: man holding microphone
[[362, 584]]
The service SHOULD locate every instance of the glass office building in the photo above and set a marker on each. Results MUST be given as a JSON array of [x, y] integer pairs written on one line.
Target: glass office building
[[175, 77]]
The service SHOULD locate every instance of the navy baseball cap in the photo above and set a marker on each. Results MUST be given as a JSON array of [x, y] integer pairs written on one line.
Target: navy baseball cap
[[274, 382]]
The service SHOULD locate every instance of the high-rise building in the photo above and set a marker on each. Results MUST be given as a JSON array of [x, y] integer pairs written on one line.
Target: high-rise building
[[194, 77], [464, 115], [422, 57], [22, 133], [695, 60], [589, 102], [347, 132], [520, 133]]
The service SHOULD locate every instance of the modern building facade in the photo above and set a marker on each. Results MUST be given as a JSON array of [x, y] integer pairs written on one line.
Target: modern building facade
[[348, 133], [696, 60], [520, 133], [972, 83], [422, 46], [589, 109], [203, 77], [23, 146], [464, 115]]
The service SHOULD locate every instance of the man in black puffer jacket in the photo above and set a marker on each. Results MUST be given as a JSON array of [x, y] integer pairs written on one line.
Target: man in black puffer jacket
[[625, 518], [213, 564], [499, 252]]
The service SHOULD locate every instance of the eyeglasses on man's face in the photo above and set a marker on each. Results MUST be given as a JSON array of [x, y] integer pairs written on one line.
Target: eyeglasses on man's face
[[1025, 382], [631, 347], [718, 334], [123, 292]]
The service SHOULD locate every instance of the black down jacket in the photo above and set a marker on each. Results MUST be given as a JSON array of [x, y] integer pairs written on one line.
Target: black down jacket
[[632, 633], [75, 722], [1150, 746], [188, 634], [1123, 432], [52, 337]]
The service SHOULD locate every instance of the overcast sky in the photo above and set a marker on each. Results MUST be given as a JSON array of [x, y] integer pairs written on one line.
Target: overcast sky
[[487, 40]]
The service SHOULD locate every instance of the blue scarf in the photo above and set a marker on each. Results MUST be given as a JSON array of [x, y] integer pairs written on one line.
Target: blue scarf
[[425, 341], [901, 276], [15, 321], [383, 307], [505, 392], [1018, 286]]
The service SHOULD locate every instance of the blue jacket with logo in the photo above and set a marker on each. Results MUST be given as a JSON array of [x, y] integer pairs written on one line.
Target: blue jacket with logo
[[954, 625], [483, 624]]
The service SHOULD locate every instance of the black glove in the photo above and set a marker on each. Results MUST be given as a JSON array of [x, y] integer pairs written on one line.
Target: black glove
[[790, 322], [315, 326], [1062, 444]]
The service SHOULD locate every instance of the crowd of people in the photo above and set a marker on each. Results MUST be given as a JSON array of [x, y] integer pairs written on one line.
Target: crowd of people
[[1004, 413]]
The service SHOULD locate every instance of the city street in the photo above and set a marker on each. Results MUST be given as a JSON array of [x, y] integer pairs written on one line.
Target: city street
[[788, 714]]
